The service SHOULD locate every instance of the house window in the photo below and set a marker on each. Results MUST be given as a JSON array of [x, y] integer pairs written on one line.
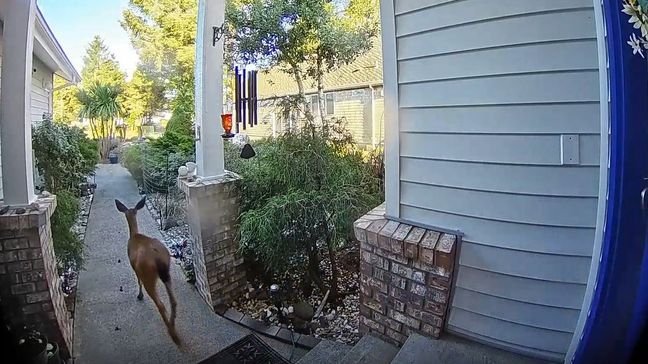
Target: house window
[[330, 104], [314, 107]]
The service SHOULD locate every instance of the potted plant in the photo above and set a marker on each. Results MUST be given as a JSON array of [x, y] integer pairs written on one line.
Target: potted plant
[[32, 348], [113, 157], [53, 353]]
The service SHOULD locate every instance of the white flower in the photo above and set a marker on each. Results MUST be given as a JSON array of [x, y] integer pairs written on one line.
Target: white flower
[[635, 43]]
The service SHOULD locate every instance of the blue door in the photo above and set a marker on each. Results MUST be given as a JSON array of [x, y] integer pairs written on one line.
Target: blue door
[[619, 310]]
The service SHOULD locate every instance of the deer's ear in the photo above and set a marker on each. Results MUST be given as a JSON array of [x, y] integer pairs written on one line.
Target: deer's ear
[[141, 203], [120, 206]]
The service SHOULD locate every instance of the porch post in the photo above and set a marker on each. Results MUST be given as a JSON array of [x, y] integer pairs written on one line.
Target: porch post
[[15, 123], [209, 89]]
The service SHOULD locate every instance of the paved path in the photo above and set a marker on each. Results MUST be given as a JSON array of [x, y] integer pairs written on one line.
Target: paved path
[[101, 307]]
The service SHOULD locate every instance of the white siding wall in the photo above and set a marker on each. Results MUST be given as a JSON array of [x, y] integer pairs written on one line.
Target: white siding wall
[[485, 90], [41, 99], [41, 93]]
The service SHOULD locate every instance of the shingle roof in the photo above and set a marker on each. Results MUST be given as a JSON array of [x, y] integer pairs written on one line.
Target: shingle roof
[[364, 71]]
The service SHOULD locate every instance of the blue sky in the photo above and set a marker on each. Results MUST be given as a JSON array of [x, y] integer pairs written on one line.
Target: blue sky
[[76, 22]]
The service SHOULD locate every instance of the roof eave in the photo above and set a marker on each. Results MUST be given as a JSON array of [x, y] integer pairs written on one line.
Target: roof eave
[[48, 50]]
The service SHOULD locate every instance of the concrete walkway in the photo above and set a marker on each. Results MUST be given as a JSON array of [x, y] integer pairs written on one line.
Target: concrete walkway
[[111, 325]]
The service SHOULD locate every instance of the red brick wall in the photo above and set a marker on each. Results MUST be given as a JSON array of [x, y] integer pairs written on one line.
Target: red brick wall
[[31, 291], [405, 277]]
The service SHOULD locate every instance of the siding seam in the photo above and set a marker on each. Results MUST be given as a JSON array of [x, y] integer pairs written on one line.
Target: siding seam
[[493, 219], [487, 20]]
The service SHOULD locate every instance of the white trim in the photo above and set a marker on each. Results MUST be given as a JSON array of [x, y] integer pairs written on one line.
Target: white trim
[[392, 128], [603, 179], [50, 52]]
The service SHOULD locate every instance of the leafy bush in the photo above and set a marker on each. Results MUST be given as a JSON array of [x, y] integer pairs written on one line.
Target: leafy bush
[[67, 246], [132, 156], [301, 195], [64, 155], [64, 158]]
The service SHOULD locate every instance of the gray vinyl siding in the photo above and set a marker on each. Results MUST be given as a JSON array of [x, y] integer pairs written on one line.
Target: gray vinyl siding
[[485, 90]]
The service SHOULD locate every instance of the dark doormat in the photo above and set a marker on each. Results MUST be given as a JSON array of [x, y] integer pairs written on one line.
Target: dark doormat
[[248, 350]]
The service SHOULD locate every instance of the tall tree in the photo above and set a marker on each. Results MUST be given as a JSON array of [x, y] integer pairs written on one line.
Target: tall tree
[[164, 34], [66, 104], [305, 38], [100, 66], [143, 97]]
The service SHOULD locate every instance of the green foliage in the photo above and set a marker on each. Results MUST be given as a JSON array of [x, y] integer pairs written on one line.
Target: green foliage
[[303, 193], [164, 34], [154, 165], [67, 246], [132, 157], [101, 105], [66, 105], [143, 96], [100, 66], [172, 142], [303, 38], [64, 157]]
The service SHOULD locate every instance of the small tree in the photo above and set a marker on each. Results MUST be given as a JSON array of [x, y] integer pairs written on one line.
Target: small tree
[[305, 39], [300, 197], [101, 106]]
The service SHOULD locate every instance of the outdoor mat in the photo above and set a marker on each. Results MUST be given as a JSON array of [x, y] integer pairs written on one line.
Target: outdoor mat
[[248, 350]]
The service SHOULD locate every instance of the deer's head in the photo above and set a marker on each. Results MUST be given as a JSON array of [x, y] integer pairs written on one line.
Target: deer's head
[[131, 214]]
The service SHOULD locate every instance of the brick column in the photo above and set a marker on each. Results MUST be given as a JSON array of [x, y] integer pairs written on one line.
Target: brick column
[[30, 291], [212, 211], [405, 277]]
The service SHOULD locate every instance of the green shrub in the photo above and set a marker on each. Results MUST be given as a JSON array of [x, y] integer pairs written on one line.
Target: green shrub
[[64, 155], [64, 158], [154, 165], [301, 195], [132, 158], [67, 246]]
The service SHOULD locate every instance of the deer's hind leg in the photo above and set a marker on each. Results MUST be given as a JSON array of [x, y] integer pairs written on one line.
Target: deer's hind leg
[[140, 295], [150, 287]]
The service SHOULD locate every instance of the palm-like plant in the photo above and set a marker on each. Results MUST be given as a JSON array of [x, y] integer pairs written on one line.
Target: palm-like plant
[[101, 106]]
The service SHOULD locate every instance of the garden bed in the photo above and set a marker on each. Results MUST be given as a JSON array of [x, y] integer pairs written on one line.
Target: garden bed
[[69, 275], [337, 322]]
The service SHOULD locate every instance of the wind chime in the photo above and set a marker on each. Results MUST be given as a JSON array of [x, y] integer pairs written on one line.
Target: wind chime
[[245, 107], [245, 102]]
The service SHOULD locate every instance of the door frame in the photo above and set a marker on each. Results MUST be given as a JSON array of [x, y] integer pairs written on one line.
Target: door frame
[[619, 305]]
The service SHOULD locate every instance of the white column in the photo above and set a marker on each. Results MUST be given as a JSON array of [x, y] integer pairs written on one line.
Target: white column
[[209, 89], [15, 103]]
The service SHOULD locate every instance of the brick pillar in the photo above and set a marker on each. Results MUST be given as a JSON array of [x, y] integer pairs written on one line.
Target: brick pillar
[[30, 287], [212, 211], [405, 277]]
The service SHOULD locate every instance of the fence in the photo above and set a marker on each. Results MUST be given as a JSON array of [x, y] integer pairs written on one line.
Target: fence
[[159, 184]]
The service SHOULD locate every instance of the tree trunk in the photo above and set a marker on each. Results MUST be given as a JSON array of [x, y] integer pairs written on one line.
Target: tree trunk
[[320, 91], [302, 92], [334, 295]]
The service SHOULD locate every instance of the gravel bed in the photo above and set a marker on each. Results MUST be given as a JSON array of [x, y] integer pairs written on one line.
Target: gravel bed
[[338, 322]]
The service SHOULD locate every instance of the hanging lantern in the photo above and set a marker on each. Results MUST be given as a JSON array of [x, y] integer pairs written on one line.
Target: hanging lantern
[[226, 122]]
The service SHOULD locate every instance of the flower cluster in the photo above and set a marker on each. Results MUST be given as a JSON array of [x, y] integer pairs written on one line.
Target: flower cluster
[[636, 9]]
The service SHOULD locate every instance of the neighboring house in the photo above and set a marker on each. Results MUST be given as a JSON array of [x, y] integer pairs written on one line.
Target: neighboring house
[[48, 59], [352, 93], [510, 123]]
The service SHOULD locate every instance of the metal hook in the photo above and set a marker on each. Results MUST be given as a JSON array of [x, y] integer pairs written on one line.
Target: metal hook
[[218, 34]]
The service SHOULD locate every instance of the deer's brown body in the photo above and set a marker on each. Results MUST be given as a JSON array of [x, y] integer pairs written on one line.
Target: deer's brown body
[[151, 261]]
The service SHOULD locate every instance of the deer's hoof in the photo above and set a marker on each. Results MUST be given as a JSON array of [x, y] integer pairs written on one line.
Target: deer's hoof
[[140, 297]]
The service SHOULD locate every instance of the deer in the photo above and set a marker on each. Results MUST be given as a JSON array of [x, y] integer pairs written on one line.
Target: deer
[[151, 261]]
